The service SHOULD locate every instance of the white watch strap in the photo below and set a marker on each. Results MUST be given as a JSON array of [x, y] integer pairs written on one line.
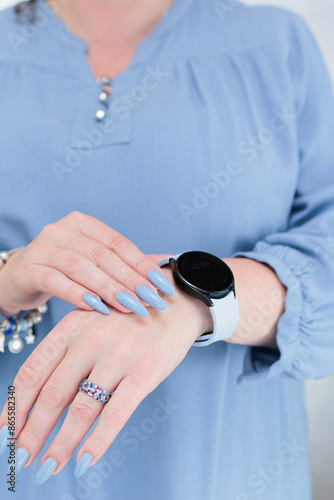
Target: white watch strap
[[165, 261], [225, 315]]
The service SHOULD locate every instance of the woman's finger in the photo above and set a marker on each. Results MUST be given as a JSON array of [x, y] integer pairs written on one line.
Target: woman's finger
[[55, 282], [100, 270], [117, 411], [35, 371], [54, 397], [52, 282], [125, 249], [109, 262], [81, 415]]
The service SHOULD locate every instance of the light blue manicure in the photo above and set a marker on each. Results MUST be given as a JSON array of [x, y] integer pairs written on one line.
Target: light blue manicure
[[83, 464], [4, 435], [21, 456], [161, 282], [151, 297], [93, 301], [45, 470], [131, 303]]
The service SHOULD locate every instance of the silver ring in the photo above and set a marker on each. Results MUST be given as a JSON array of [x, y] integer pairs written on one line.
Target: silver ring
[[94, 391]]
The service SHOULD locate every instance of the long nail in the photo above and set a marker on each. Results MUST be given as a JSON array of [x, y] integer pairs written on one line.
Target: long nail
[[131, 303], [4, 435], [46, 470], [161, 282], [93, 301], [21, 456], [151, 297], [83, 464]]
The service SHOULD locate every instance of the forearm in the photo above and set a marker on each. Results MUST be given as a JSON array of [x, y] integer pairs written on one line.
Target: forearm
[[261, 298]]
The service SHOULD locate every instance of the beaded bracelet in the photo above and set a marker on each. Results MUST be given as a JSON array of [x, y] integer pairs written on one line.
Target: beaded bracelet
[[4, 256], [15, 326]]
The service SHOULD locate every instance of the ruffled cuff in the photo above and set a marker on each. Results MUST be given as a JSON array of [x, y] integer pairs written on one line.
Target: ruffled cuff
[[264, 363]]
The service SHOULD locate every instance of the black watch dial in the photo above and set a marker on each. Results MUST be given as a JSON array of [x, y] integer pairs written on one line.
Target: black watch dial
[[205, 272]]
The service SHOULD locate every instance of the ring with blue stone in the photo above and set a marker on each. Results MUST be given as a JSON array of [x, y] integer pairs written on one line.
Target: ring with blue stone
[[94, 391]]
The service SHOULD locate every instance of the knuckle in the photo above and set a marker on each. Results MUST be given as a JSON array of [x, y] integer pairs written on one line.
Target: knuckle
[[99, 443], [107, 289], [116, 416], [60, 449], [73, 317], [119, 243], [21, 417], [97, 338], [48, 230], [29, 374], [72, 264], [147, 365], [99, 255], [128, 279], [21, 414], [71, 322], [75, 216], [50, 396], [32, 433], [99, 331], [145, 373], [143, 264], [81, 412]]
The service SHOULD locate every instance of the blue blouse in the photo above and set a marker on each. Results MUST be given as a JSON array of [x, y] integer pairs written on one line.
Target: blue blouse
[[219, 137]]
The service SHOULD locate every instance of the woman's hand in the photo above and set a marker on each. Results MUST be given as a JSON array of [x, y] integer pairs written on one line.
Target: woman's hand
[[80, 255], [127, 354]]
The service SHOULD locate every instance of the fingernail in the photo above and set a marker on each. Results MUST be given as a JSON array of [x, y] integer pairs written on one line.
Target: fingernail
[[83, 464], [151, 297], [160, 282], [45, 470], [4, 435], [93, 301], [131, 303], [21, 456]]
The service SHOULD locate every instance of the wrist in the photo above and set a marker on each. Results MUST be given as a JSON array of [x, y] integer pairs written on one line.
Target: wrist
[[194, 309], [7, 306]]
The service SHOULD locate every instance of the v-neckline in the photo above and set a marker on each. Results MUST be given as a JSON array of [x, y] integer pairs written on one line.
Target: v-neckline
[[58, 29]]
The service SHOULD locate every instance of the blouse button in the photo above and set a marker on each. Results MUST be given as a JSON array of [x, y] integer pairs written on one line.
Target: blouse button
[[100, 115], [104, 97]]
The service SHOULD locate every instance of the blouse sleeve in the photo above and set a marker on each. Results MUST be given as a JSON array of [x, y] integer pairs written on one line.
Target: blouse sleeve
[[303, 256]]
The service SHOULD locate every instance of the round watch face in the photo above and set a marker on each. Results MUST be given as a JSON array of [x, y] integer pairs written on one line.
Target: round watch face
[[205, 272]]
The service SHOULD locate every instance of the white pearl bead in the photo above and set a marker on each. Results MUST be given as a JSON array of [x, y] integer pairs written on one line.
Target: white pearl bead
[[105, 80], [104, 97], [15, 345], [100, 115]]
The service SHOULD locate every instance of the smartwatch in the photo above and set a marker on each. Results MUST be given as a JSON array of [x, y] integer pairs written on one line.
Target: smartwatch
[[207, 278]]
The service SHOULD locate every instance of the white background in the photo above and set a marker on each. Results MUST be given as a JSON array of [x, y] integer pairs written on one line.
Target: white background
[[320, 394]]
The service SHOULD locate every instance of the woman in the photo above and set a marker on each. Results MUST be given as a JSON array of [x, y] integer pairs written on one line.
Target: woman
[[191, 125]]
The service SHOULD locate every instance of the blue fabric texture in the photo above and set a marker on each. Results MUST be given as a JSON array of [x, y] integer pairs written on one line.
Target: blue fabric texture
[[218, 138]]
